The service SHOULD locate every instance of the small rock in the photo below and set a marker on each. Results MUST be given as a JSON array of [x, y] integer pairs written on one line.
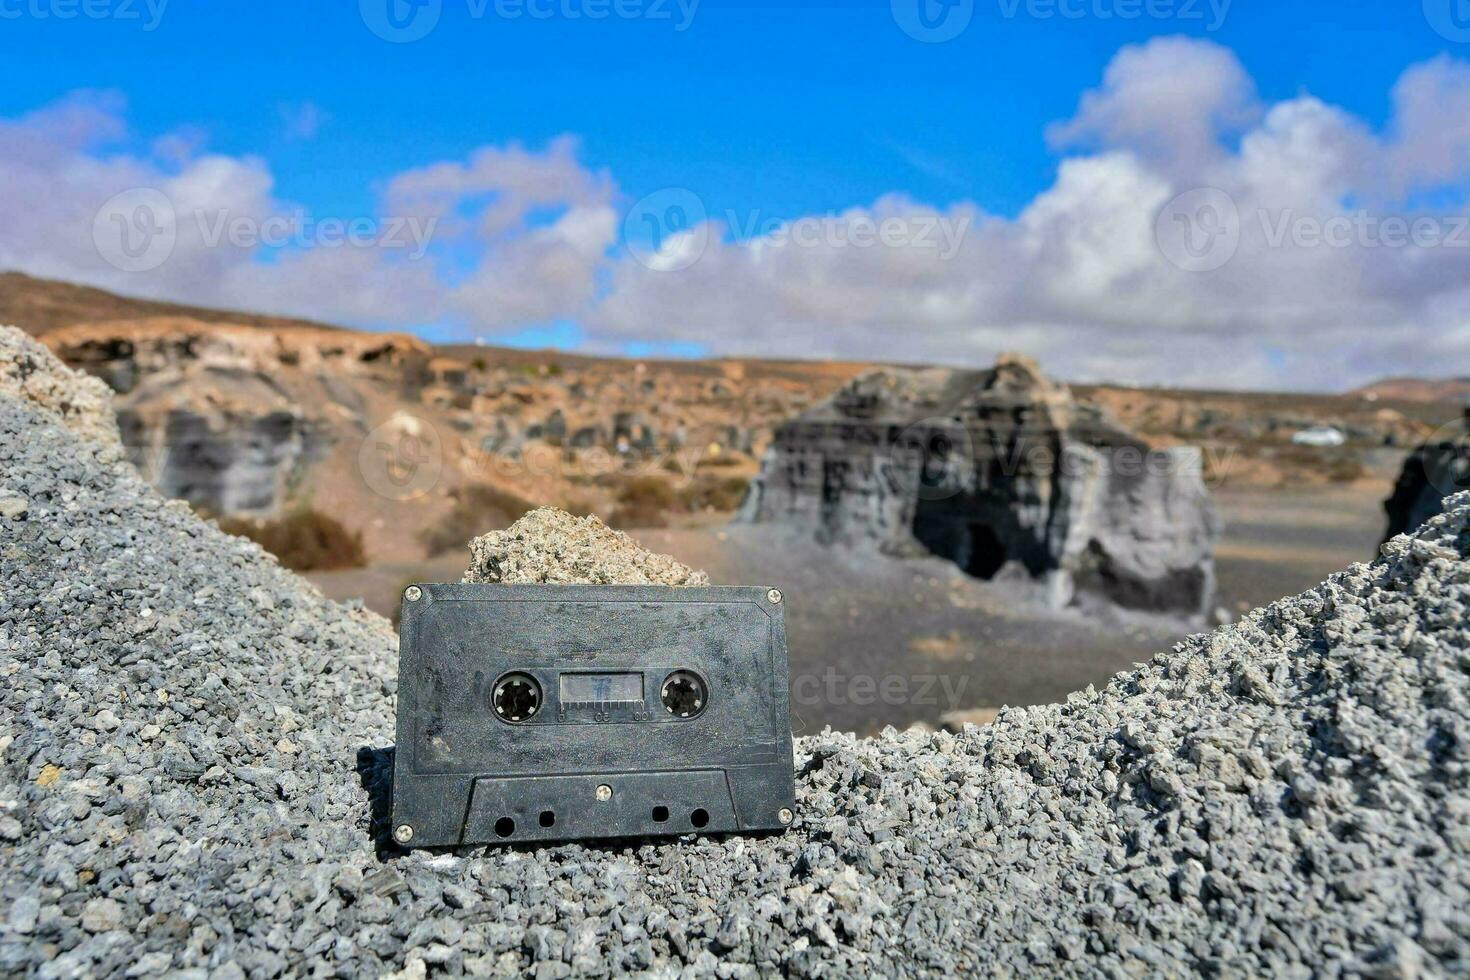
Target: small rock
[[13, 505], [101, 915]]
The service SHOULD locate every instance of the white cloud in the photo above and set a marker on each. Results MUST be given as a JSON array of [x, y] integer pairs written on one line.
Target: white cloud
[[1431, 126], [1169, 101], [236, 244], [1079, 279], [516, 179], [524, 236], [540, 275]]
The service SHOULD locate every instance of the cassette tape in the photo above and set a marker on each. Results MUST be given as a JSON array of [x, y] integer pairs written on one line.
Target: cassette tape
[[563, 712]]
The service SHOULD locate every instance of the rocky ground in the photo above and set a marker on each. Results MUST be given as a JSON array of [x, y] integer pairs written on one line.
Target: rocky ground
[[193, 761], [550, 546]]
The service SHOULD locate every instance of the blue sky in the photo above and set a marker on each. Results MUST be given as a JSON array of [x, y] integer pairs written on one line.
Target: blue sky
[[795, 108], [782, 109]]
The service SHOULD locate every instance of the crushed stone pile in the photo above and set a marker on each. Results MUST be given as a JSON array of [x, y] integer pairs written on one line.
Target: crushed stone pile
[[193, 770], [30, 372], [550, 545]]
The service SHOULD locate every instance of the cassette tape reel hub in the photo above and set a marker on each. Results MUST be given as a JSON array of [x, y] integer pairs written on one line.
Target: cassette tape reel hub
[[684, 694], [517, 697], [541, 712]]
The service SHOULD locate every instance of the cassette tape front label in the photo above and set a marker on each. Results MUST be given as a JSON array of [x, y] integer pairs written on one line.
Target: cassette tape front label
[[518, 705]]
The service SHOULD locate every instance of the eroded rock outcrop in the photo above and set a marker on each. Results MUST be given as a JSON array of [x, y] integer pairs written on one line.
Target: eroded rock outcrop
[[232, 417], [1431, 473], [1002, 472]]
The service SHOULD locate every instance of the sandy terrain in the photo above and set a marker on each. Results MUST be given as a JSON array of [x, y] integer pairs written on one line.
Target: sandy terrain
[[876, 642], [1283, 541]]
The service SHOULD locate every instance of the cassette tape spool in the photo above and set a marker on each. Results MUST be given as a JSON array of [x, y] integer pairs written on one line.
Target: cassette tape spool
[[555, 713]]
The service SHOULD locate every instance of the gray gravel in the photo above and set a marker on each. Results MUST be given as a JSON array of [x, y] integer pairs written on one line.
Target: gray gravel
[[549, 545], [194, 760], [30, 372]]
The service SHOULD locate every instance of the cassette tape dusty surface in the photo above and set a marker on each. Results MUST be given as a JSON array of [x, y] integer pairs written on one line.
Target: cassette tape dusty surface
[[563, 712]]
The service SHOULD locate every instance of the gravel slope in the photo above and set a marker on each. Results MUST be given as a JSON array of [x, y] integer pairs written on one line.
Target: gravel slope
[[192, 756]]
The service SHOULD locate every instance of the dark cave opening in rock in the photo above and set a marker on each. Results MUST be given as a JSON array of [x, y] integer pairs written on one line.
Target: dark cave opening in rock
[[985, 553], [959, 531]]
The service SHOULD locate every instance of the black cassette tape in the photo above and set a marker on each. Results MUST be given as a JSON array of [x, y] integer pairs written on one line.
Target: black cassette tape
[[562, 712]]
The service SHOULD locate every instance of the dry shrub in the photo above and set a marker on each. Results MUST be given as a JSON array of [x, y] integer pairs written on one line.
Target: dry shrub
[[1344, 469], [578, 506], [717, 493], [725, 460], [303, 540], [1319, 464], [644, 501], [477, 508]]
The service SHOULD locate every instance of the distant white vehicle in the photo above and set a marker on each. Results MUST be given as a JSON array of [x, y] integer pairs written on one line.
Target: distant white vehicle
[[1319, 435]]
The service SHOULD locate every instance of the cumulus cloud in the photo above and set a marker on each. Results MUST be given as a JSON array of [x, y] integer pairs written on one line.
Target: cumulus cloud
[[1169, 100], [75, 206], [1431, 128], [1193, 235], [1331, 273], [538, 276], [516, 180], [177, 222]]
